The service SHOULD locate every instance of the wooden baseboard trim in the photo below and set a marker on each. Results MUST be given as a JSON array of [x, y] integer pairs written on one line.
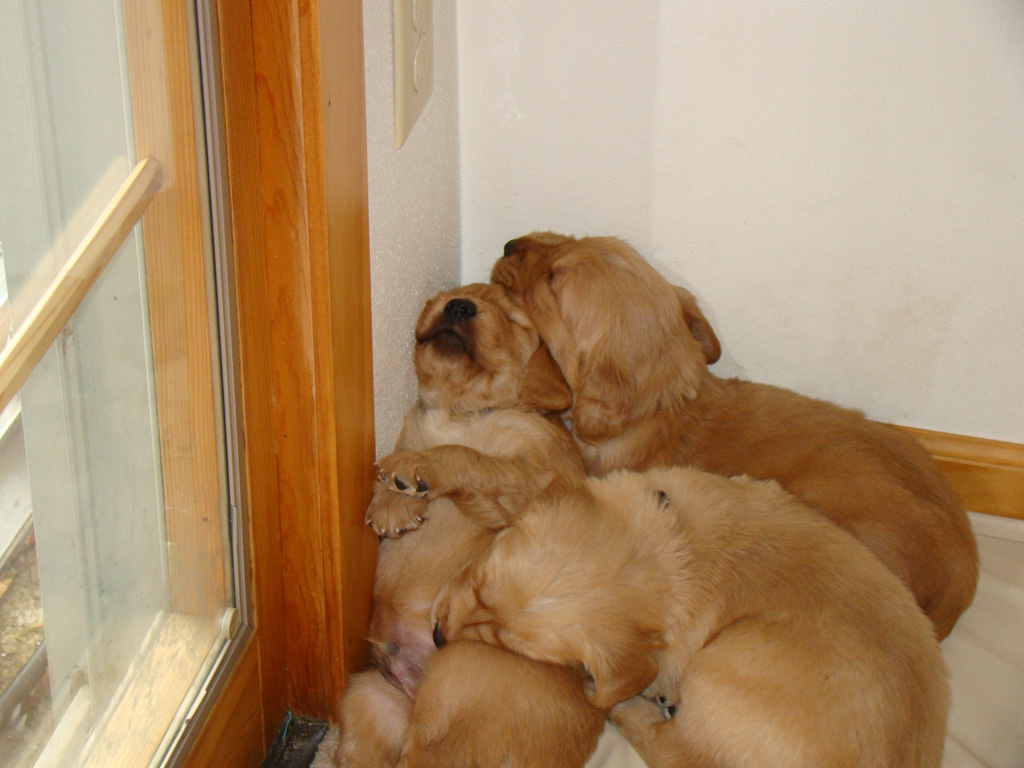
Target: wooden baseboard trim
[[988, 475]]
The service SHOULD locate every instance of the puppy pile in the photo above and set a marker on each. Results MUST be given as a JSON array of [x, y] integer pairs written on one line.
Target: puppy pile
[[479, 444], [733, 574]]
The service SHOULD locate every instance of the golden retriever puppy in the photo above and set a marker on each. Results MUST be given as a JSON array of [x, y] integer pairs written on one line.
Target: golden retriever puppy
[[635, 350], [760, 634], [479, 443]]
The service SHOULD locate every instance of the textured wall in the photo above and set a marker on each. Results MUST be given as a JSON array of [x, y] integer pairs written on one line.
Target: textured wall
[[841, 184], [414, 208]]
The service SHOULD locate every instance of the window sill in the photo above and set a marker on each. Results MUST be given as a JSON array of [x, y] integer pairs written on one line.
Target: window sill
[[147, 711]]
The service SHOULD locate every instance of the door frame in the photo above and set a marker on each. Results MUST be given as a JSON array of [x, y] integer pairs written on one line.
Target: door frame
[[291, 75]]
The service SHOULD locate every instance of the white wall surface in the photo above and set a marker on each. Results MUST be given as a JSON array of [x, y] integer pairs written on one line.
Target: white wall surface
[[414, 208], [841, 184]]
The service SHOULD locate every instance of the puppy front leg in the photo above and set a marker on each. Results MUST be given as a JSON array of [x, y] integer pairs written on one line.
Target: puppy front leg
[[392, 512], [487, 489]]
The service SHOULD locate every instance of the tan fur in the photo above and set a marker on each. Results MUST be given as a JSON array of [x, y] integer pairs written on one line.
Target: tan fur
[[478, 445], [777, 639], [374, 714], [635, 349], [482, 706]]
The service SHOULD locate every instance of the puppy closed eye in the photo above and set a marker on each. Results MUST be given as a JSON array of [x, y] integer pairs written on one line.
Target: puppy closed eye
[[554, 274]]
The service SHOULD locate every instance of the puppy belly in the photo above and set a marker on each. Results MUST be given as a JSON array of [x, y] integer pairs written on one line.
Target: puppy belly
[[403, 656]]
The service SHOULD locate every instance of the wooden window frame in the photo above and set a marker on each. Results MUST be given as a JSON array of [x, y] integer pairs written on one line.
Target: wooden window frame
[[291, 75], [158, 45]]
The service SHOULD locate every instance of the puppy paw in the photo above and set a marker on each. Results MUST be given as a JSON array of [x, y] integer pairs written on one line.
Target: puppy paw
[[668, 709], [636, 714], [406, 472], [664, 695], [391, 514]]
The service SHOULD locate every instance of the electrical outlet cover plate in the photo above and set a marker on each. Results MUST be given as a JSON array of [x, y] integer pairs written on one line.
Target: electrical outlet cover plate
[[414, 63]]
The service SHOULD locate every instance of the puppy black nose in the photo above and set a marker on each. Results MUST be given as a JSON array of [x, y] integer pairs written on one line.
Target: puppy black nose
[[512, 247], [459, 309], [439, 640]]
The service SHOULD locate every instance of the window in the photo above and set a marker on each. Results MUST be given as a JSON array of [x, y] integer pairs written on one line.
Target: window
[[117, 564]]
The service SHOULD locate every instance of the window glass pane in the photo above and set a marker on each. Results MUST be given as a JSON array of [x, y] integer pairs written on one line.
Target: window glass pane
[[116, 582]]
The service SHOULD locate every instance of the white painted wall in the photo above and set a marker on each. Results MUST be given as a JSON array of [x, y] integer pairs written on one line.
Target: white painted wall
[[841, 184], [414, 208]]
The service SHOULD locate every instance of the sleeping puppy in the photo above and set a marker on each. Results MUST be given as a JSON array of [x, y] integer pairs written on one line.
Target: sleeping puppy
[[760, 634], [478, 444], [635, 350]]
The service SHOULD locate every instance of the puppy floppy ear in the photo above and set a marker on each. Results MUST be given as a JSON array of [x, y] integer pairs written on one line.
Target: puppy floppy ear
[[604, 399], [622, 673], [699, 326], [457, 603], [543, 385]]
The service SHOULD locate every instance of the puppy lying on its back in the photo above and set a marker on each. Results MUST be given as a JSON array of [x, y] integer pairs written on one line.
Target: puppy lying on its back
[[482, 433], [760, 634], [635, 350], [479, 443]]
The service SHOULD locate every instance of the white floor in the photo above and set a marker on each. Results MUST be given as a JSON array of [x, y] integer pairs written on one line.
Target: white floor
[[985, 654]]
